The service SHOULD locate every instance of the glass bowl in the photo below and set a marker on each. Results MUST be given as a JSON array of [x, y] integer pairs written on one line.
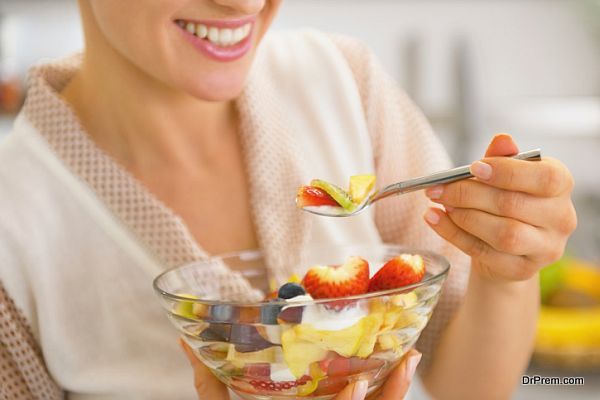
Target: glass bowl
[[281, 350]]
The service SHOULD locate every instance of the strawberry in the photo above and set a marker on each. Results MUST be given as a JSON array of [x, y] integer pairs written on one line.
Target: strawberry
[[313, 196], [402, 270], [325, 282]]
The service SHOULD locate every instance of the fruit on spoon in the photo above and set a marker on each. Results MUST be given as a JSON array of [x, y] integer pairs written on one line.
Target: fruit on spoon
[[310, 196], [339, 195], [360, 187]]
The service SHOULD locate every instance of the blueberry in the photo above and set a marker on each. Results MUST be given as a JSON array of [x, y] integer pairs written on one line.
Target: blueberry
[[269, 312], [290, 290]]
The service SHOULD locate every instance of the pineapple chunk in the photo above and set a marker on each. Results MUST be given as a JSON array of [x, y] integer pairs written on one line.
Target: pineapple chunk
[[360, 187]]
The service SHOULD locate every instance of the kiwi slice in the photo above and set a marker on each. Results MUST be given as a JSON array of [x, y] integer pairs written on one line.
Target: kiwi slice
[[340, 195]]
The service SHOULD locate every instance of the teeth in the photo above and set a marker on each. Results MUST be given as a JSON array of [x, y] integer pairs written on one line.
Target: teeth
[[201, 31], [220, 37], [238, 35], [226, 37], [213, 35]]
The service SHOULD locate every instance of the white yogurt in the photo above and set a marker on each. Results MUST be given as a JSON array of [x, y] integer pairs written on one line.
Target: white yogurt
[[324, 319]]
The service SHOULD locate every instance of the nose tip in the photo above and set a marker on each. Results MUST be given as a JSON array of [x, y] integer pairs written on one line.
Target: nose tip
[[247, 7]]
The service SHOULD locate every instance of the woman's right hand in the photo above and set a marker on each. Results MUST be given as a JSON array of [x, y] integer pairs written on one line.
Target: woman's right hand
[[209, 387]]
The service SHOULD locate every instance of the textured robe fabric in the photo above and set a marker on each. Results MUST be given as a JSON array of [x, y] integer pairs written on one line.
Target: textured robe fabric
[[81, 238]]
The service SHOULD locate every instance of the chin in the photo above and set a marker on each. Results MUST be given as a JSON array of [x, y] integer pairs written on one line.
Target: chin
[[217, 88]]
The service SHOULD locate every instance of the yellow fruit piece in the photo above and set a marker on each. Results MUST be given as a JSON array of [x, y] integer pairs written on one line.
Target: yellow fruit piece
[[404, 300], [299, 354], [295, 279], [239, 359], [371, 324], [389, 341], [390, 319], [360, 187], [185, 308], [317, 375], [568, 327], [407, 318], [345, 342]]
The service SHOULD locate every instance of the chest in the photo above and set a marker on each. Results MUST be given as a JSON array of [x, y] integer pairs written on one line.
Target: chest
[[212, 199]]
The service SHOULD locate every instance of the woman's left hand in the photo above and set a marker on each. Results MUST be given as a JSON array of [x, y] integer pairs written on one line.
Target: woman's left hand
[[513, 219]]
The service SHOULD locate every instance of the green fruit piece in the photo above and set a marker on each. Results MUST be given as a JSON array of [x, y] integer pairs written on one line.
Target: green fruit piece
[[185, 308], [551, 278], [360, 187], [339, 195], [299, 354]]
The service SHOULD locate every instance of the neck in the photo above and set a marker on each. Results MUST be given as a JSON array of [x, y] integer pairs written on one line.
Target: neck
[[137, 118]]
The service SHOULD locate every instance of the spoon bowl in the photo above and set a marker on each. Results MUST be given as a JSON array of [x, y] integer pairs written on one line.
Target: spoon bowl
[[411, 185]]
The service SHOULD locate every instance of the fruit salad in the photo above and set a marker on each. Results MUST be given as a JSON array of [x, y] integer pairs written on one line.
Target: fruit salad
[[324, 194], [314, 334]]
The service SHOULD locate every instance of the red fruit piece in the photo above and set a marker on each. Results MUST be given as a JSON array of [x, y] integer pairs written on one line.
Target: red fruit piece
[[259, 370], [402, 270], [325, 282], [308, 196]]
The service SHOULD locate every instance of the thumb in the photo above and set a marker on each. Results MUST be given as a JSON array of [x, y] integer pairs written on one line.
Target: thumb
[[397, 383], [502, 145], [207, 385]]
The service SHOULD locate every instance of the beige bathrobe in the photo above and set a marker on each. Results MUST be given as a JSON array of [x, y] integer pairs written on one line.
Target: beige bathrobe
[[81, 239]]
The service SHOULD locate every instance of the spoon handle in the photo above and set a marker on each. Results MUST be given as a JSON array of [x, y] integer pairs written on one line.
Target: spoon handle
[[438, 178]]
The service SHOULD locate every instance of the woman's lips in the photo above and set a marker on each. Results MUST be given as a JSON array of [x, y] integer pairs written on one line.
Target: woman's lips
[[224, 40]]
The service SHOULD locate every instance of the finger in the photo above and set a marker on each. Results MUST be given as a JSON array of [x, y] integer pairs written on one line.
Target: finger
[[207, 385], [513, 267], [546, 178], [506, 235], [397, 384], [502, 145], [354, 391], [473, 194]]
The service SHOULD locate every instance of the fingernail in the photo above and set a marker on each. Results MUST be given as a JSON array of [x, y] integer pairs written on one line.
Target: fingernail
[[434, 192], [481, 170], [432, 217], [411, 365], [448, 209], [359, 392]]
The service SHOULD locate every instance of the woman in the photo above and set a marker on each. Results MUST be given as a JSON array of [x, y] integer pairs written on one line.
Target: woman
[[175, 136]]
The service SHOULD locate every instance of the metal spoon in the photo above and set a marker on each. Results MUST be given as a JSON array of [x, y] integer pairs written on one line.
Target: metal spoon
[[411, 185]]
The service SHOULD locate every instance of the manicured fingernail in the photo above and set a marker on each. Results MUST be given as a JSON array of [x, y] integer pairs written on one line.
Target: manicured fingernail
[[434, 192], [360, 390], [432, 217], [448, 209], [411, 365], [481, 170]]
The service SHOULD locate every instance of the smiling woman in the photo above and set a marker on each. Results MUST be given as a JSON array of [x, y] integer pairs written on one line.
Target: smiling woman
[[184, 130]]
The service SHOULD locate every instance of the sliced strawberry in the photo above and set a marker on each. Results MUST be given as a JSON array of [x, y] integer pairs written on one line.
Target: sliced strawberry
[[325, 282], [402, 270], [308, 196]]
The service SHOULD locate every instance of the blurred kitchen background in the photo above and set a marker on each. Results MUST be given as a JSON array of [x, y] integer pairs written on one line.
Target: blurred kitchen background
[[476, 67]]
